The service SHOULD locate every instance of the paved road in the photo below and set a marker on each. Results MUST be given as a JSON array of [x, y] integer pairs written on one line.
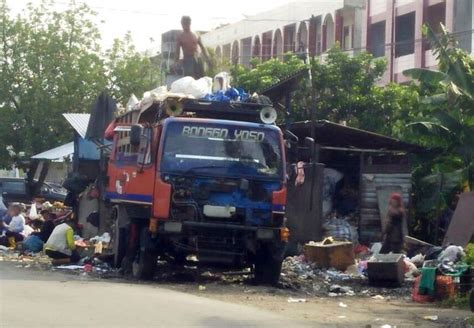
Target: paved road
[[51, 299]]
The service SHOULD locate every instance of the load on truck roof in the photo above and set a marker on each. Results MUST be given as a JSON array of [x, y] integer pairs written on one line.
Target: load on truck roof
[[154, 112]]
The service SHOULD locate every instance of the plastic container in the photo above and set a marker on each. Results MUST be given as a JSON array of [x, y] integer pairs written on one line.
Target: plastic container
[[386, 270]]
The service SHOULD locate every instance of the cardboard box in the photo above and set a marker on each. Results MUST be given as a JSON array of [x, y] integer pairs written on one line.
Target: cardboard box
[[338, 255]]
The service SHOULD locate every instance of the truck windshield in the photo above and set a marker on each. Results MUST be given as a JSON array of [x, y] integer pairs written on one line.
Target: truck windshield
[[221, 149]]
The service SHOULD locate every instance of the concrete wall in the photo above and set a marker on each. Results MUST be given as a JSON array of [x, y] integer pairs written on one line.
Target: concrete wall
[[377, 7], [457, 19], [272, 23], [463, 23], [270, 20]]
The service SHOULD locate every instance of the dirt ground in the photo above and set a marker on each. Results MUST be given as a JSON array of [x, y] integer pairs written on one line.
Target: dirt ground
[[355, 311], [348, 311]]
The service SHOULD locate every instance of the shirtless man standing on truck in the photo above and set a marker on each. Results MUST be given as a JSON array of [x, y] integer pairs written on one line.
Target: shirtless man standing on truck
[[189, 41]]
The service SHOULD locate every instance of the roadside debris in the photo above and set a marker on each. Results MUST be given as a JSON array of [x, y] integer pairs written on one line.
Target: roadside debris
[[341, 290], [296, 300], [431, 317], [299, 275], [378, 297], [343, 305]]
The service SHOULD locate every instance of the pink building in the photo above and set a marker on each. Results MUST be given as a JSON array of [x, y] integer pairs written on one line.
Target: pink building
[[394, 30], [390, 28]]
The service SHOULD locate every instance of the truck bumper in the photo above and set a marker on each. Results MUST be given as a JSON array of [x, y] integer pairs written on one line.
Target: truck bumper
[[222, 238], [262, 233]]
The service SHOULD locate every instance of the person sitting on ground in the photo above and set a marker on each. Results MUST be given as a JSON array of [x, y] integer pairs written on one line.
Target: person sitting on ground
[[7, 216], [393, 234], [60, 245], [48, 225], [16, 225]]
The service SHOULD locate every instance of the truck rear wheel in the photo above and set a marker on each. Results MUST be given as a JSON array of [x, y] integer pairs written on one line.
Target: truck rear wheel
[[267, 269]]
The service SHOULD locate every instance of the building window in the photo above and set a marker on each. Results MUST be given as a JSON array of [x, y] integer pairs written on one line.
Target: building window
[[405, 35], [435, 16], [347, 37], [377, 39]]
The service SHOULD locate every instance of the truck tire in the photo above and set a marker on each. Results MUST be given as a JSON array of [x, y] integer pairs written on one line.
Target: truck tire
[[144, 267], [145, 261], [119, 238], [471, 300], [267, 269]]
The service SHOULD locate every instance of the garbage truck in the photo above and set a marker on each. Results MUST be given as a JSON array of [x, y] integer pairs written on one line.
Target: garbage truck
[[197, 179]]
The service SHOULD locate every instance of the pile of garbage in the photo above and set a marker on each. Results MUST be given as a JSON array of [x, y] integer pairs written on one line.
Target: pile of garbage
[[300, 275], [92, 266]]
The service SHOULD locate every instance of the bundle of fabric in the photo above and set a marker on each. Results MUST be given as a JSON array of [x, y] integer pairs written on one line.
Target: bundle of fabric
[[338, 228]]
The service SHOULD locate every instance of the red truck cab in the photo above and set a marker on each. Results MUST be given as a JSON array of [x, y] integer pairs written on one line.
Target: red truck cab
[[208, 181]]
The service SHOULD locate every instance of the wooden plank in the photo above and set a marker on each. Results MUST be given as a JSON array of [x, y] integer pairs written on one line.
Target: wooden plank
[[387, 168], [461, 229]]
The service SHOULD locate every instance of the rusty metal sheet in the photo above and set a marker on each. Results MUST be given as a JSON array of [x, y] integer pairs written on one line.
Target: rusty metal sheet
[[461, 228]]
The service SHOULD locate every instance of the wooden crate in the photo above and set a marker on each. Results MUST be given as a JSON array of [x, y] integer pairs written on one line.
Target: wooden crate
[[338, 255]]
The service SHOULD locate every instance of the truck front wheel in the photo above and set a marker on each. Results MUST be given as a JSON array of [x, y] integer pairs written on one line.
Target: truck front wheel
[[145, 260], [144, 267], [267, 268]]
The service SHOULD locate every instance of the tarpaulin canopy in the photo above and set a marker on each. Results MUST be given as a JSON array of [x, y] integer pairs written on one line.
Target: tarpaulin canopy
[[102, 114]]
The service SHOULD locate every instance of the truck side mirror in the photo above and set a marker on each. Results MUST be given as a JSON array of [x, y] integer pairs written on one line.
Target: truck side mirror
[[290, 136], [291, 145], [135, 133], [308, 150]]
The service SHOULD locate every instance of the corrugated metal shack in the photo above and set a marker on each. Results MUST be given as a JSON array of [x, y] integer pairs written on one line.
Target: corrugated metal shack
[[86, 153], [373, 166]]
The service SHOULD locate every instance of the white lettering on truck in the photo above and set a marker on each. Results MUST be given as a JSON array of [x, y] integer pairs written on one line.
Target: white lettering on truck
[[221, 133]]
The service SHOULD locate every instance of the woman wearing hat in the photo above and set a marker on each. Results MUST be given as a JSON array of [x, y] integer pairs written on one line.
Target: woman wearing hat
[[393, 234]]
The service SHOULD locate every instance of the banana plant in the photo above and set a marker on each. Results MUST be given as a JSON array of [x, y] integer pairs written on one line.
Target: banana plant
[[448, 107]]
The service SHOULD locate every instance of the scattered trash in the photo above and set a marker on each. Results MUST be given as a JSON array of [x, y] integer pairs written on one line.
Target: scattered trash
[[431, 317], [201, 287], [341, 290], [298, 274], [70, 267], [341, 317], [296, 300], [105, 238], [378, 297], [343, 305]]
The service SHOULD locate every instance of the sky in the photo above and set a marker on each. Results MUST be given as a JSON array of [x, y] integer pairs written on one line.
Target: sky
[[147, 19]]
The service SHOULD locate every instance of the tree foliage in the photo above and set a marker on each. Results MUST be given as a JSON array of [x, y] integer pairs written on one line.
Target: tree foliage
[[444, 121], [51, 63], [267, 73], [129, 72], [346, 90], [446, 112]]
